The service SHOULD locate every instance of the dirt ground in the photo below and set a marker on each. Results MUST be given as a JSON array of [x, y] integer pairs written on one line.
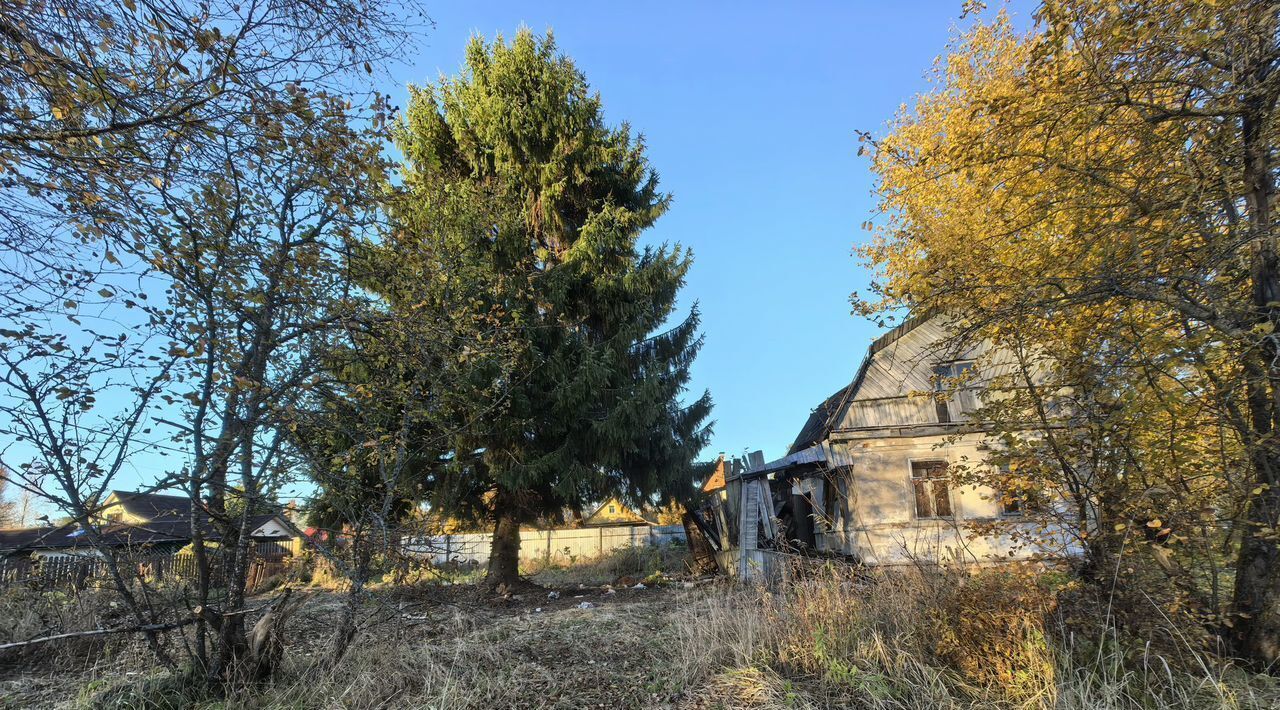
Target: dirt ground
[[437, 645]]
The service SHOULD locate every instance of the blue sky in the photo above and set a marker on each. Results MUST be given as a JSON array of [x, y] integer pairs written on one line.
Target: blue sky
[[749, 111]]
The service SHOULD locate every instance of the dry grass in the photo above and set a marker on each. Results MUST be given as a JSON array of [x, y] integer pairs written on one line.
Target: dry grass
[[640, 563], [918, 638], [42, 675], [941, 639], [459, 651]]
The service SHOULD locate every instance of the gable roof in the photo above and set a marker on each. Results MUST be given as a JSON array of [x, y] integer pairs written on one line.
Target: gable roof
[[716, 480], [153, 506], [823, 418], [625, 513]]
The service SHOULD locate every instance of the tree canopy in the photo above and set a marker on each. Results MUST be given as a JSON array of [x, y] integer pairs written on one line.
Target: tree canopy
[[585, 400], [1096, 195]]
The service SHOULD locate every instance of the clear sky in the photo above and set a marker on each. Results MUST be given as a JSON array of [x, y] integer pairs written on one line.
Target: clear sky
[[749, 110]]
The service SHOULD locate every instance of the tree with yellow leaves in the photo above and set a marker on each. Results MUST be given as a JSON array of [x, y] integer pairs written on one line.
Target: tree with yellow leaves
[[1095, 196]]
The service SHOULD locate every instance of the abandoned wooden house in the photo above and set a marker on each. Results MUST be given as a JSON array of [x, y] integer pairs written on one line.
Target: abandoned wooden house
[[867, 476]]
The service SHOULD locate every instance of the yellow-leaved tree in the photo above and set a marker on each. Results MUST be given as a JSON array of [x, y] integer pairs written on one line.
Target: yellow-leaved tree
[[1094, 198]]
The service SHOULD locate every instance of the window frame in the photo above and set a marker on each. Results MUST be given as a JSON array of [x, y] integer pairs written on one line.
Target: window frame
[[932, 493], [1020, 507], [942, 407], [1015, 512]]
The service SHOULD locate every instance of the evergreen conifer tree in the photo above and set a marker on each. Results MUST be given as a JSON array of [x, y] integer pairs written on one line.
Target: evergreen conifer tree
[[584, 401]]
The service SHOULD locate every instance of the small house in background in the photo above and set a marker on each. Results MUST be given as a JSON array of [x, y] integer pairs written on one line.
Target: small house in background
[[138, 507], [142, 520], [715, 482], [613, 512]]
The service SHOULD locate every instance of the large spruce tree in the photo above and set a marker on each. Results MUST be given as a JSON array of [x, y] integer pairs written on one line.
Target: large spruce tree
[[547, 204]]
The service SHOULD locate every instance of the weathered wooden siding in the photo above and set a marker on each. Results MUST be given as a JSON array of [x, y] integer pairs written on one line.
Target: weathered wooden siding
[[889, 411], [906, 364]]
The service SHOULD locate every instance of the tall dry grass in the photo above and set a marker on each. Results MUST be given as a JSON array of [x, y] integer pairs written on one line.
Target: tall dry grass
[[638, 561], [938, 638]]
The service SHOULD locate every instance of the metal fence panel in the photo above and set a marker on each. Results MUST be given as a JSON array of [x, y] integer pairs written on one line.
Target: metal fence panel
[[563, 545]]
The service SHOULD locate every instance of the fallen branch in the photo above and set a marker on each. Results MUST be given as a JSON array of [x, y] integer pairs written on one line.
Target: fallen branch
[[145, 628], [199, 612]]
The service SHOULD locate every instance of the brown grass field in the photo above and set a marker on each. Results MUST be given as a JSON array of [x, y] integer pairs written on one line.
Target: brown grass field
[[916, 638]]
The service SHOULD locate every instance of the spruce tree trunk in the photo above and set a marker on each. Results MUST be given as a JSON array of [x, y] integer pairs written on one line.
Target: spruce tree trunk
[[504, 552]]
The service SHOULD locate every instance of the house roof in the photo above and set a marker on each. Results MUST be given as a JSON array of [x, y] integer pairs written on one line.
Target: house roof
[[823, 418], [816, 454], [716, 480], [36, 538], [153, 506], [820, 421], [113, 535]]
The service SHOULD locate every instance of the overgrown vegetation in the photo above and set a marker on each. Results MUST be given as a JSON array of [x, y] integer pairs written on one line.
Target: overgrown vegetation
[[631, 563], [834, 637], [1093, 197], [209, 252], [929, 637]]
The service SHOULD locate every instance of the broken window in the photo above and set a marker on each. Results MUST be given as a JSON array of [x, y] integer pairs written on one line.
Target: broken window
[[955, 398], [932, 487], [1010, 506], [1015, 499]]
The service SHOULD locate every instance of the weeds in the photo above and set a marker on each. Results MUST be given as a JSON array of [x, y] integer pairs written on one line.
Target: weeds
[[639, 562], [929, 637], [832, 637]]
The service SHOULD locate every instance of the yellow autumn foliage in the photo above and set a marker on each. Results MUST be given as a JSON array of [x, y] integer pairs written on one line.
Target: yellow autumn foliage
[[1093, 198]]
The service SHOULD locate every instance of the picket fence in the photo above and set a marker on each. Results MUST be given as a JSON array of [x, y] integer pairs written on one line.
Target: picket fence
[[82, 572]]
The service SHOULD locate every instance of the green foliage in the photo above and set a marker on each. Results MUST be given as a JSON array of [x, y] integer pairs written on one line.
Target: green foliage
[[519, 224]]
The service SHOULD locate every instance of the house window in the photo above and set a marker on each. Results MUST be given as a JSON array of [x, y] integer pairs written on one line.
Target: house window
[[932, 488], [954, 397], [613, 509], [1010, 506], [1014, 502]]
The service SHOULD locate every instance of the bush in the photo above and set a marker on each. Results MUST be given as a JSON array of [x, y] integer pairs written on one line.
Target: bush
[[27, 614]]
